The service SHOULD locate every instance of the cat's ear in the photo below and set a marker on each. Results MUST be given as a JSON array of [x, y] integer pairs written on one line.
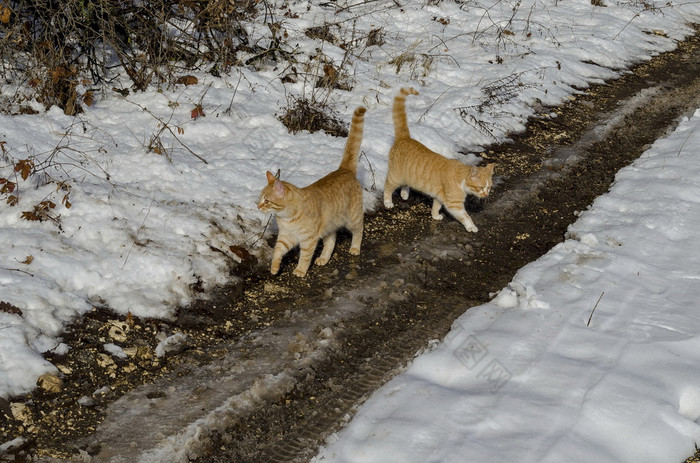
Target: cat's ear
[[270, 177], [490, 166], [279, 189]]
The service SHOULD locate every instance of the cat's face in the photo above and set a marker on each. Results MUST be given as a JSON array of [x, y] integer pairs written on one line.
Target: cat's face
[[480, 182], [273, 195]]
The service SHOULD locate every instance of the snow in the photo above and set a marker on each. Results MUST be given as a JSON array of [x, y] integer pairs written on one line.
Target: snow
[[143, 229], [115, 350], [589, 354]]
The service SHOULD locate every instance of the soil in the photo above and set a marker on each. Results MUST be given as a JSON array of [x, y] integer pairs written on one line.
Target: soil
[[327, 341]]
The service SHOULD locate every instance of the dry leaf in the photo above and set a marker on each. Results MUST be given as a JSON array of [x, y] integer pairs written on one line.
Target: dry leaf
[[25, 167], [5, 14], [28, 260], [88, 98], [9, 308], [330, 72], [121, 91], [7, 186], [197, 112], [187, 80], [240, 252]]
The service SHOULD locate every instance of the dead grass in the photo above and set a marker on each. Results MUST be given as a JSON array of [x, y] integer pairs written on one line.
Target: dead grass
[[303, 114]]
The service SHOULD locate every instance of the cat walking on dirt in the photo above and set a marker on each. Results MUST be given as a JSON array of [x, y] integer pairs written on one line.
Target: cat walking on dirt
[[305, 215], [447, 181]]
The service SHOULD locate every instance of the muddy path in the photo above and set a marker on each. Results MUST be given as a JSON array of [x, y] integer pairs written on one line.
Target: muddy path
[[270, 367]]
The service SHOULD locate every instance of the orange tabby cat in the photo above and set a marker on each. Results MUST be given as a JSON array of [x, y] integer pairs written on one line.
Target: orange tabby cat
[[305, 215], [447, 181]]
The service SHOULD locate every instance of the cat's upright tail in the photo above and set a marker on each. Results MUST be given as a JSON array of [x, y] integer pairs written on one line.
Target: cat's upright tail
[[351, 155], [399, 112]]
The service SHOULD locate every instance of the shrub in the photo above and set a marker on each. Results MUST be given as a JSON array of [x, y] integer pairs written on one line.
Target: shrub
[[54, 46]]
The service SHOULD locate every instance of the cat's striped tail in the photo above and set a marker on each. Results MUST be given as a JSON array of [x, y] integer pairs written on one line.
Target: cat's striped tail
[[399, 113], [351, 155]]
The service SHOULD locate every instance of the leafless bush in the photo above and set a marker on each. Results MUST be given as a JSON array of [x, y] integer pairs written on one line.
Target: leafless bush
[[58, 167], [320, 76], [511, 29], [55, 46], [496, 94], [304, 114]]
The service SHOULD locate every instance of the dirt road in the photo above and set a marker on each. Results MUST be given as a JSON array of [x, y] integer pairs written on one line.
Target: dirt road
[[268, 368]]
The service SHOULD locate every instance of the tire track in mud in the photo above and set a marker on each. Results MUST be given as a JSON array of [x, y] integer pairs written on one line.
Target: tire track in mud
[[544, 185]]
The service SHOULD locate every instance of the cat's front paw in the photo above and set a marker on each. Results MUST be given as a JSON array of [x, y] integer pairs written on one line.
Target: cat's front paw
[[301, 273], [388, 204], [404, 193], [438, 216], [355, 251], [471, 228], [321, 261], [275, 269]]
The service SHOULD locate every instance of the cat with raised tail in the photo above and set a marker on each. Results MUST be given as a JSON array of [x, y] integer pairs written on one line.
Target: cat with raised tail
[[318, 211], [447, 181]]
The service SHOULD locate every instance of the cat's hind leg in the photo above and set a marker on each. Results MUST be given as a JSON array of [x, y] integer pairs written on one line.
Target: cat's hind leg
[[357, 229], [306, 253], [328, 246], [404, 192], [389, 186], [435, 212]]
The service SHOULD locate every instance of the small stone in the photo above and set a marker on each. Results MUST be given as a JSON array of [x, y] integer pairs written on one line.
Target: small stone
[[131, 351], [22, 413], [87, 401], [118, 330], [103, 390], [129, 368], [144, 352], [66, 370], [105, 361], [50, 383], [171, 344]]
